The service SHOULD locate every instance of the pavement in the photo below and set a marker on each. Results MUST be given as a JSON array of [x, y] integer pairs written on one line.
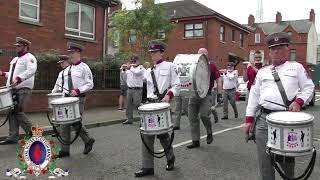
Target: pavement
[[95, 117]]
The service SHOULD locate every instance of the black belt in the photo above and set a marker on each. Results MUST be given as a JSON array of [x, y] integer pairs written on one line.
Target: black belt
[[268, 111], [152, 100], [135, 88]]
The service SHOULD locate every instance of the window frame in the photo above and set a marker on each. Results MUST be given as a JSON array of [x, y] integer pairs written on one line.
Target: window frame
[[233, 35], [257, 40], [79, 23], [222, 34], [28, 18], [193, 30], [293, 51], [241, 37]]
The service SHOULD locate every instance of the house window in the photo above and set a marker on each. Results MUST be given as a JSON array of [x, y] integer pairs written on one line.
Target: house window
[[233, 35], [293, 55], [241, 39], [257, 38], [289, 33], [222, 33], [161, 35], [80, 20], [193, 30], [132, 37], [29, 10]]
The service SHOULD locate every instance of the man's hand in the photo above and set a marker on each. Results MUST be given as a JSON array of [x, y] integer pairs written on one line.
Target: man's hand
[[73, 93], [166, 99], [295, 107], [14, 83]]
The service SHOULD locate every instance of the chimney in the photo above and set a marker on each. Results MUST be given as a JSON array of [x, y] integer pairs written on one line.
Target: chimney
[[278, 17], [312, 16], [250, 20]]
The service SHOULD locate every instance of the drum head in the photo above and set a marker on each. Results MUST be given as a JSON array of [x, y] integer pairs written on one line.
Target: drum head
[[201, 78], [154, 106], [289, 117], [65, 100]]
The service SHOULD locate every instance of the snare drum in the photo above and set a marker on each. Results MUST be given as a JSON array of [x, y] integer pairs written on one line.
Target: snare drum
[[155, 118], [53, 96], [6, 101], [290, 133], [194, 74], [65, 110]]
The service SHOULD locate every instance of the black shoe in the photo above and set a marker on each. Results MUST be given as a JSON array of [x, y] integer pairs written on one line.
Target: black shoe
[[144, 172], [126, 122], [170, 164], [209, 138], [195, 144], [176, 128], [236, 115], [63, 154], [88, 146], [7, 141], [224, 117]]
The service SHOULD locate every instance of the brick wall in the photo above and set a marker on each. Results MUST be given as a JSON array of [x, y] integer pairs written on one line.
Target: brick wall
[[97, 98], [50, 33]]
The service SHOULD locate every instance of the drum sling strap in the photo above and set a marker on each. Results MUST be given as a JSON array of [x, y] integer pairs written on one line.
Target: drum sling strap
[[156, 90], [278, 158]]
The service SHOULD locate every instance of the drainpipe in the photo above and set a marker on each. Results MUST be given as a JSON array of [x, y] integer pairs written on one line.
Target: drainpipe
[[104, 32], [206, 34]]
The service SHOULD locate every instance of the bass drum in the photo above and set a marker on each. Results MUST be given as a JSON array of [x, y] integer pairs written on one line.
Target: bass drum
[[194, 74]]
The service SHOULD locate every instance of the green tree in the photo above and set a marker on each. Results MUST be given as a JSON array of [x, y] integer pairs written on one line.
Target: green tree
[[147, 21]]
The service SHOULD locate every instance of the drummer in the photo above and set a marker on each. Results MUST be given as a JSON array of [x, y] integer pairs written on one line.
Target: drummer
[[202, 106], [168, 83], [21, 78], [79, 80], [59, 85], [264, 92]]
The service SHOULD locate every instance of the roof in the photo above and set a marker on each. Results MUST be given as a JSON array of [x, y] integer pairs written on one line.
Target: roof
[[301, 26], [191, 8]]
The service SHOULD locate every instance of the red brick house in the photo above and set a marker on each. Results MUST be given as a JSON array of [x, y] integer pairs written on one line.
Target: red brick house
[[199, 26], [49, 24], [303, 34]]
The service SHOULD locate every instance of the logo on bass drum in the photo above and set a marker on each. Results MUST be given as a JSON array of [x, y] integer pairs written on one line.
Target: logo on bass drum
[[292, 141]]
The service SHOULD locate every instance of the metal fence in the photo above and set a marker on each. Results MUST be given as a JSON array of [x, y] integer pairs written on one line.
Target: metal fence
[[103, 78]]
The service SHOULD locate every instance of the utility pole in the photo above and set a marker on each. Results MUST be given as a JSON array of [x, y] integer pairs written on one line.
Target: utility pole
[[259, 14]]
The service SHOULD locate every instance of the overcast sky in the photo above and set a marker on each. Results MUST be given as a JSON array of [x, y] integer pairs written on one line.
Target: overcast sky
[[239, 10]]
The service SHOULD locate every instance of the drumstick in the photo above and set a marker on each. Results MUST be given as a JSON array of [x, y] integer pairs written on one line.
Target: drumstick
[[63, 87]]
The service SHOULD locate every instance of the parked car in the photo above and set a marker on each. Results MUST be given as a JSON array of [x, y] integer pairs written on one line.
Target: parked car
[[242, 90]]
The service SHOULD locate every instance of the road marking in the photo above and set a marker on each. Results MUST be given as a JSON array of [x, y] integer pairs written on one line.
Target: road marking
[[317, 100], [215, 133], [316, 139]]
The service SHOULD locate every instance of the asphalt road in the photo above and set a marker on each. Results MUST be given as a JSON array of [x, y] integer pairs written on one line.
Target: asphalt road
[[117, 154]]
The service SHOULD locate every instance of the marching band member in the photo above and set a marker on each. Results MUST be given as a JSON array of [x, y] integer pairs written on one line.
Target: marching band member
[[64, 63], [21, 78], [168, 83], [135, 75], [230, 82], [265, 93], [79, 81], [202, 106]]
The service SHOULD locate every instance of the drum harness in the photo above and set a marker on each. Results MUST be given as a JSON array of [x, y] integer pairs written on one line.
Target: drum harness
[[274, 158], [160, 96]]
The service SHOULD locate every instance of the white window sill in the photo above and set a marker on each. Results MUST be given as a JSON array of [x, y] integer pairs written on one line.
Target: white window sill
[[30, 22], [79, 38]]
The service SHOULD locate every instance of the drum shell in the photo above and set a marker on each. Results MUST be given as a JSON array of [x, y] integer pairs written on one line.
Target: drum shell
[[165, 121], [6, 101], [60, 115], [186, 65], [53, 96], [289, 141]]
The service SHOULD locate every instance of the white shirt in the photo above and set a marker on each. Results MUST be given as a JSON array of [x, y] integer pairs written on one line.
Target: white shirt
[[230, 79], [81, 76], [25, 69], [135, 76], [60, 83], [166, 78], [294, 80]]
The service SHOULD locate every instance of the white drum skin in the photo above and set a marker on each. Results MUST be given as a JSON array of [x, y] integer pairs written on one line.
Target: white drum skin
[[65, 110], [6, 101], [290, 133], [194, 74], [155, 118], [53, 96]]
